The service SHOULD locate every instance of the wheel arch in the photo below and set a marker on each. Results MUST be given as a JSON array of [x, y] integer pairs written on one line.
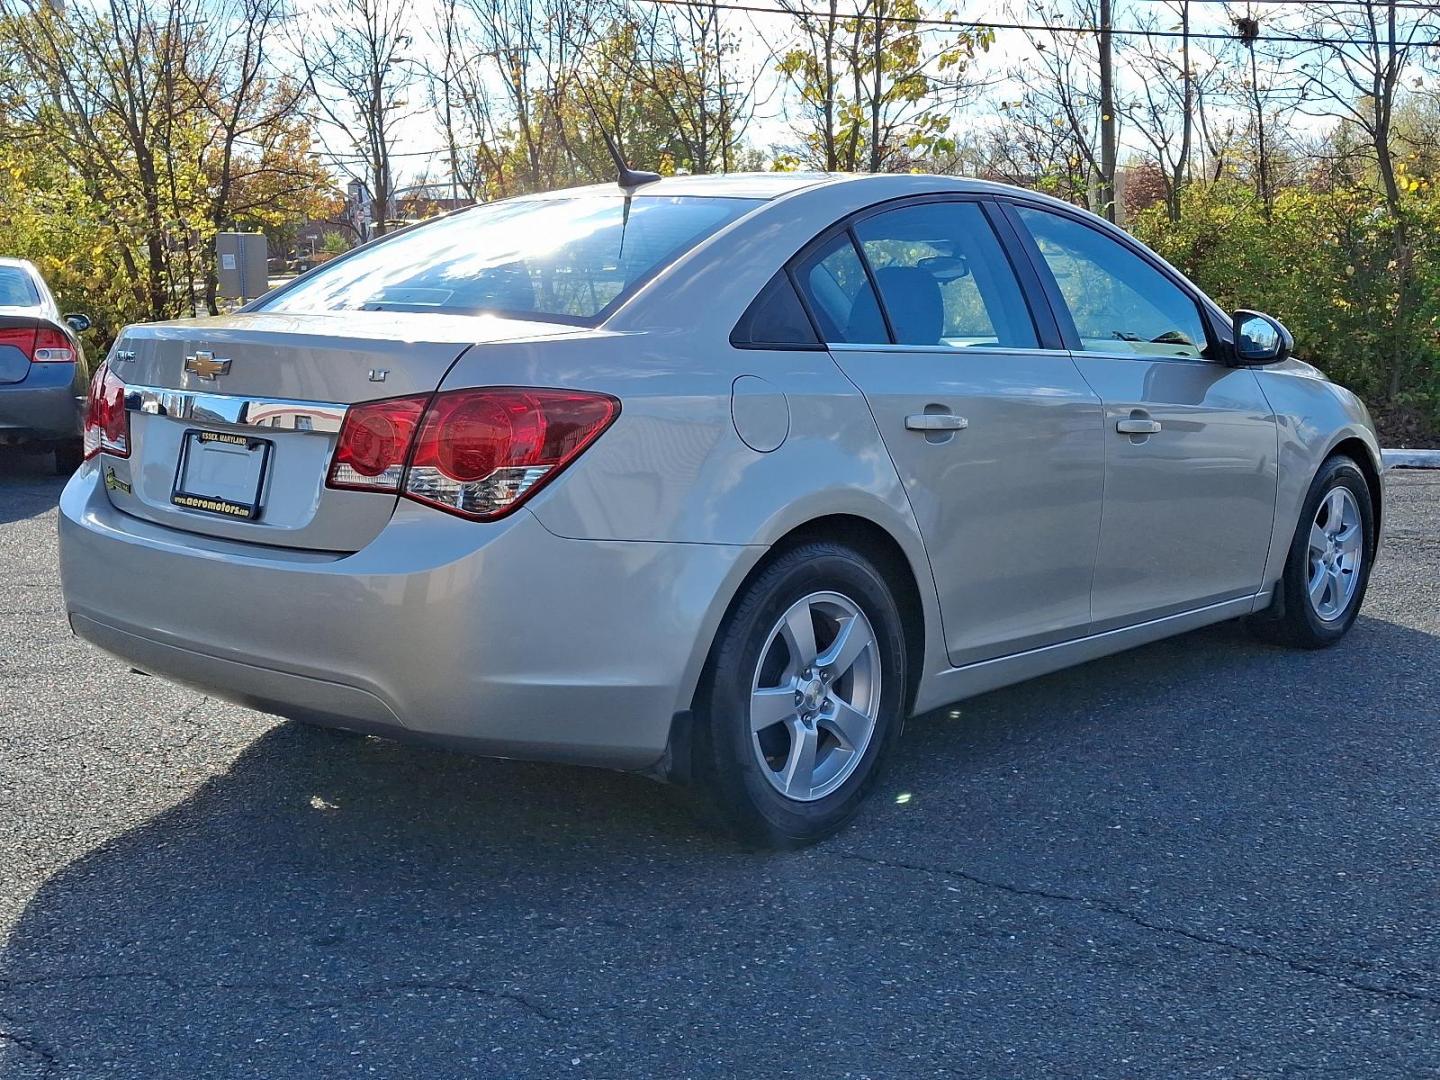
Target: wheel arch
[[1358, 451], [873, 541], [869, 538], [1355, 448]]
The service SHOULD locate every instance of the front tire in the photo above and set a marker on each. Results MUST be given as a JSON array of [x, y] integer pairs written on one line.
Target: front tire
[[1328, 568], [802, 698]]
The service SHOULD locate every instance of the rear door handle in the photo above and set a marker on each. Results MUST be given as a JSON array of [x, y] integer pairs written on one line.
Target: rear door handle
[[1137, 427], [940, 421]]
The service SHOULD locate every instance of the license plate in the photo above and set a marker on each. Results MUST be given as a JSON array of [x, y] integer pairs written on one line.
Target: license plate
[[221, 473]]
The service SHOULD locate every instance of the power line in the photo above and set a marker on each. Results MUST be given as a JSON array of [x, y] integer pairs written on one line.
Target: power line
[[987, 24], [1376, 5], [334, 156]]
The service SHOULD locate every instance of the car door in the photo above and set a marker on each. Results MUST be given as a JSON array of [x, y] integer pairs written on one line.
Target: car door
[[996, 437], [1190, 443]]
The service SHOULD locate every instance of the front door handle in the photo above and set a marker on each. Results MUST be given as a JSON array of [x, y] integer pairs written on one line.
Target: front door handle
[[1137, 427], [939, 421]]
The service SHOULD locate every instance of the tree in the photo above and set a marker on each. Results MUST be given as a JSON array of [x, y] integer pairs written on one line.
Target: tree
[[1168, 109], [356, 68], [1074, 98], [1353, 71], [1031, 146], [527, 93], [104, 92], [1109, 124], [687, 63], [533, 47], [154, 122], [255, 152], [873, 91]]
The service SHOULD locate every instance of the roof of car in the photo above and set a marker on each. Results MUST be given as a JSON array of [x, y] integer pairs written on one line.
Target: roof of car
[[744, 185], [772, 185]]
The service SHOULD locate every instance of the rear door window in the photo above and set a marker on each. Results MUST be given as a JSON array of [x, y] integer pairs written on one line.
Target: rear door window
[[945, 279], [835, 284]]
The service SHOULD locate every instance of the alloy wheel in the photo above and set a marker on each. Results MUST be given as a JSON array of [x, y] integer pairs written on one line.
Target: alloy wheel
[[815, 696], [1336, 554]]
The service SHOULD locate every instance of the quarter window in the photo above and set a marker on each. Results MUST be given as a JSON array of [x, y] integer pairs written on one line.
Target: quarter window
[[945, 279], [775, 320], [1119, 302]]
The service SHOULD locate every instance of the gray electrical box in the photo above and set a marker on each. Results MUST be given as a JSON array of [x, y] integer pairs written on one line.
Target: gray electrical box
[[242, 264]]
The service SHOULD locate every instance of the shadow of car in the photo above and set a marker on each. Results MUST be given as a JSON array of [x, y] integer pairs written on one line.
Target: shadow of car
[[329, 903]]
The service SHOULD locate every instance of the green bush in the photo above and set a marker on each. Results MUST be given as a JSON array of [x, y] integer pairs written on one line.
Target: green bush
[[1364, 307]]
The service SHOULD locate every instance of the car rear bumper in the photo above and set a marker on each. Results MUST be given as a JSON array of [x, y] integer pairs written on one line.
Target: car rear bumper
[[503, 639], [45, 406]]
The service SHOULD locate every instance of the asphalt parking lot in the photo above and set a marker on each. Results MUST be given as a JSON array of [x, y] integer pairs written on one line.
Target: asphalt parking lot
[[1208, 857]]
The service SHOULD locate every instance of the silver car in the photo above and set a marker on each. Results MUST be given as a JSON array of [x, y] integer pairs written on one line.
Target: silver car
[[42, 367], [713, 478]]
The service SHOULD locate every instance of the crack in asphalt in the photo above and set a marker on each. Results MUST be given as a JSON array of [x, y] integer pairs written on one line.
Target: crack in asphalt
[[186, 716], [26, 752], [344, 997], [28, 1043], [389, 989], [1108, 908]]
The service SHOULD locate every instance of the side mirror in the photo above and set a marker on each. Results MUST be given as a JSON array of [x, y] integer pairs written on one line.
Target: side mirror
[[1259, 339], [77, 322]]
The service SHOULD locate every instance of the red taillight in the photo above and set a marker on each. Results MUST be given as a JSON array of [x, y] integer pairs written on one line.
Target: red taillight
[[22, 338], [107, 424], [52, 347], [478, 453], [481, 453], [374, 444], [41, 345]]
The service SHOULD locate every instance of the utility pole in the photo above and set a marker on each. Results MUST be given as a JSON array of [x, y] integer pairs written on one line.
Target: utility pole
[[1107, 113], [878, 59], [1247, 28]]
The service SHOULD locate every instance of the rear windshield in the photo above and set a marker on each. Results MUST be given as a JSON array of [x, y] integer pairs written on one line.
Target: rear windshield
[[16, 288], [563, 260]]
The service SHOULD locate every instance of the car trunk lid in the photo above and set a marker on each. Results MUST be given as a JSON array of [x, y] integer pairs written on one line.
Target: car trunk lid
[[233, 420]]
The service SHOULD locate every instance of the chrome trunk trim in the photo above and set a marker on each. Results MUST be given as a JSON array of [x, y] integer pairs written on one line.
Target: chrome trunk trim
[[277, 414]]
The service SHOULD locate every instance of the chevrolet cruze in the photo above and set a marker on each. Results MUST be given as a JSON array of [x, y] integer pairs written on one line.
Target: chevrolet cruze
[[714, 478]]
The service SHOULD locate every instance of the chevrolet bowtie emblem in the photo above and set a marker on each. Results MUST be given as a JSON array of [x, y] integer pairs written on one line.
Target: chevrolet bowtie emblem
[[205, 365]]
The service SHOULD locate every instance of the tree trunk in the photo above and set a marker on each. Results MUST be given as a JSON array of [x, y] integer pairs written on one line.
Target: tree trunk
[[1262, 150], [1107, 113], [1386, 78], [832, 161], [1187, 124]]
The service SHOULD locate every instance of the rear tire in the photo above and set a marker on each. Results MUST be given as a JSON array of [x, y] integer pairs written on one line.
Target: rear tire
[[802, 698], [1328, 567], [68, 457]]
